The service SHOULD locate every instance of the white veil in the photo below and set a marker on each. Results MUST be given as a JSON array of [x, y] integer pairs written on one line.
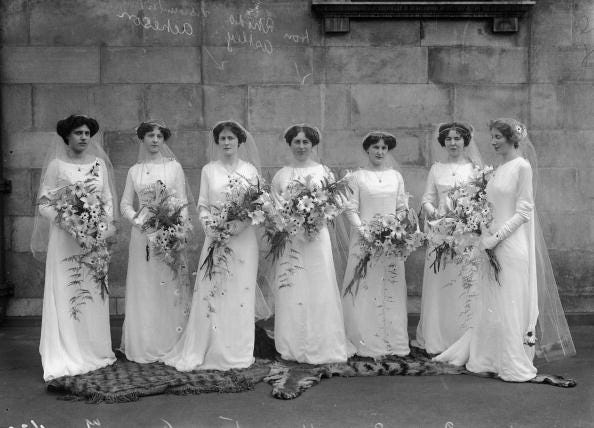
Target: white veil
[[471, 151], [58, 151], [167, 155], [342, 225], [315, 155], [553, 336], [187, 197], [248, 152]]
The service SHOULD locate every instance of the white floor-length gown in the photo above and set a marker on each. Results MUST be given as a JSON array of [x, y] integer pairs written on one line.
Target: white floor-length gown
[[71, 346], [447, 301], [157, 303], [376, 317], [508, 310], [220, 330], [308, 314]]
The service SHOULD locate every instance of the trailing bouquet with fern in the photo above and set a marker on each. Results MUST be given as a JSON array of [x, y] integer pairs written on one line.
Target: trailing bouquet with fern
[[305, 209], [82, 212], [455, 235], [385, 235], [245, 201], [166, 225]]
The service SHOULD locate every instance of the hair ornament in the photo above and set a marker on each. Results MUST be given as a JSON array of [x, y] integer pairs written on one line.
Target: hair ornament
[[303, 125], [154, 122]]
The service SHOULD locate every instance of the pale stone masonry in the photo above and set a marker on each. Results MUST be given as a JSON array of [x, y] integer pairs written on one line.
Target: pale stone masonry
[[269, 64]]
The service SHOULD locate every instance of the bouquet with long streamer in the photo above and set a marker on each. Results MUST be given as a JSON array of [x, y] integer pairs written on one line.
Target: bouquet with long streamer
[[81, 212], [455, 235], [167, 227], [244, 201], [306, 208], [385, 235]]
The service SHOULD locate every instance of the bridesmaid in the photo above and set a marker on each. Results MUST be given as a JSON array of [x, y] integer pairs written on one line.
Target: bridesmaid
[[504, 338], [376, 317], [156, 297], [220, 331], [446, 301], [308, 322], [71, 345]]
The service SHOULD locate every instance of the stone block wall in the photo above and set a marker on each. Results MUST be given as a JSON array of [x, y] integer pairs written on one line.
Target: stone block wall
[[268, 64]]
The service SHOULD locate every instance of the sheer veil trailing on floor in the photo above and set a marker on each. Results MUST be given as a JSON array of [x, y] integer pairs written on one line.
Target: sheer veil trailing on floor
[[553, 336]]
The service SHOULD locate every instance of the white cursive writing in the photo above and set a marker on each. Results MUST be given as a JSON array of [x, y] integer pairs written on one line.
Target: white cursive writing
[[148, 24]]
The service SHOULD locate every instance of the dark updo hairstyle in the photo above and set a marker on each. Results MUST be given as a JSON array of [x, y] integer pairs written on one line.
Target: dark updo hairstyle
[[464, 129], [513, 130], [231, 126], [375, 136], [65, 126], [310, 133], [146, 127]]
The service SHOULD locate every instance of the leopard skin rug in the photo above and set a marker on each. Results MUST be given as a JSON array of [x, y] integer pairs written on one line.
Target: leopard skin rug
[[126, 381]]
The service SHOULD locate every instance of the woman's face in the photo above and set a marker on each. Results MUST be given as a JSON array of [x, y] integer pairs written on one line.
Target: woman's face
[[301, 147], [454, 143], [377, 153], [228, 142], [153, 140], [501, 144], [78, 139]]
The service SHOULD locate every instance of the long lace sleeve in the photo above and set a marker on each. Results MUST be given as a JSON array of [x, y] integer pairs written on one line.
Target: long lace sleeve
[[203, 198], [180, 183], [276, 188], [352, 205], [524, 203], [126, 206], [180, 187], [49, 184], [106, 192], [430, 197], [401, 196]]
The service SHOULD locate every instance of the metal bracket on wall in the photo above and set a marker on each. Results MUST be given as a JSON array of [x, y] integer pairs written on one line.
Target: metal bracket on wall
[[505, 14], [5, 186]]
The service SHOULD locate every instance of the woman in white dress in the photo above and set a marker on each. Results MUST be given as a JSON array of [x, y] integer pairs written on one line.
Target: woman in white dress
[[220, 331], [157, 302], [446, 299], [72, 344], [376, 317], [505, 333], [308, 315]]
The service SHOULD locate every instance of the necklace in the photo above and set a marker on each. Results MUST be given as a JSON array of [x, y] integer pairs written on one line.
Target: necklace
[[455, 170], [378, 174], [149, 166]]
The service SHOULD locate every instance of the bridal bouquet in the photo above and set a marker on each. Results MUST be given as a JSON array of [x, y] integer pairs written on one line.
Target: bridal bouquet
[[81, 212], [455, 235], [385, 235], [167, 227], [244, 201], [307, 207]]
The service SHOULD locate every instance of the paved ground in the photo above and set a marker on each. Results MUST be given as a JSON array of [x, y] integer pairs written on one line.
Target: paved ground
[[443, 401]]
